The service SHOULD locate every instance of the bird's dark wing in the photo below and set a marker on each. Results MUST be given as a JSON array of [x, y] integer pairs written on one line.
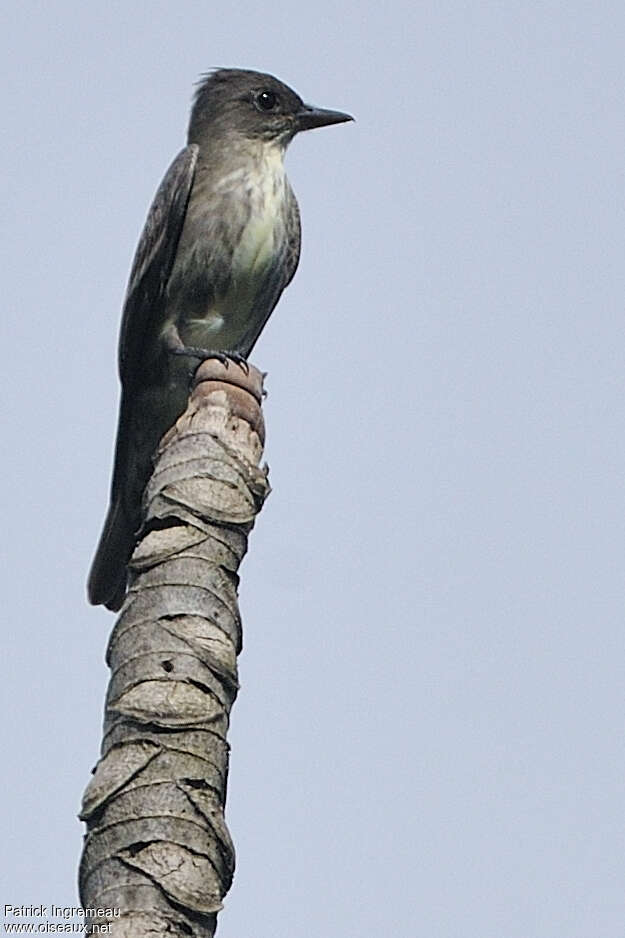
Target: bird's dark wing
[[294, 240], [150, 272], [277, 278], [154, 259]]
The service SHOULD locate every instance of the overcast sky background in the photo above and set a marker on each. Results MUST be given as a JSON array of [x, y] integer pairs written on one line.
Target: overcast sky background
[[429, 736]]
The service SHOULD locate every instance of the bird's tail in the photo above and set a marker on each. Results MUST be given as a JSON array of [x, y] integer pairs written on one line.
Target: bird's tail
[[108, 576]]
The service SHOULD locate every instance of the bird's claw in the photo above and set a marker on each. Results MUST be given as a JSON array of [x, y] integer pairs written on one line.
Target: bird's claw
[[239, 360], [204, 354]]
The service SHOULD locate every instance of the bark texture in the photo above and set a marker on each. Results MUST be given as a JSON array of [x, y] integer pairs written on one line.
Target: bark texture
[[157, 846]]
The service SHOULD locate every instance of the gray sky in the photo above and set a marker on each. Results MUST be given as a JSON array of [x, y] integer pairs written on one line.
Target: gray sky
[[429, 737]]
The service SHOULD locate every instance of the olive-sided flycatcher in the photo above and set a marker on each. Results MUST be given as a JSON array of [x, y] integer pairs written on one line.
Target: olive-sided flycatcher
[[220, 244]]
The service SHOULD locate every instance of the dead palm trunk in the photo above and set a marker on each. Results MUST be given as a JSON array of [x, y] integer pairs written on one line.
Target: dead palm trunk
[[157, 849]]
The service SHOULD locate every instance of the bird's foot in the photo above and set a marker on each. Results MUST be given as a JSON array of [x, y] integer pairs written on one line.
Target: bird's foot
[[223, 356]]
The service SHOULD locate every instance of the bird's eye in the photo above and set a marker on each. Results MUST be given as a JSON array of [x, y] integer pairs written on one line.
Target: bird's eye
[[266, 100]]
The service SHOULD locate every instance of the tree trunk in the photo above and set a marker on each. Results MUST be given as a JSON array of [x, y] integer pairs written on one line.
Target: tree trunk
[[157, 849]]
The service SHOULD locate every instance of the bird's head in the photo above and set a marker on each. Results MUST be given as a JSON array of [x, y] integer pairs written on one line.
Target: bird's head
[[253, 105]]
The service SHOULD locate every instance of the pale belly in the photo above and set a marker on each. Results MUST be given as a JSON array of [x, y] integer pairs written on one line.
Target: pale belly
[[218, 319], [226, 316]]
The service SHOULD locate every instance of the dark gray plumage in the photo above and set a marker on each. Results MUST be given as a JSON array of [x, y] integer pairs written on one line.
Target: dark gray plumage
[[220, 244]]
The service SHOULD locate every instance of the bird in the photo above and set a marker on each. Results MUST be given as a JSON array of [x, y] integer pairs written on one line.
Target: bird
[[220, 243]]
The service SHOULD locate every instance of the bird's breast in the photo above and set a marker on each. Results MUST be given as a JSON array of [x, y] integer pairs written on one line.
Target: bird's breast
[[233, 236], [264, 197]]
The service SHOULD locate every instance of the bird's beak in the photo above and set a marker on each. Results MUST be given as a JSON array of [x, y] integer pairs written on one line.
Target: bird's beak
[[309, 117]]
